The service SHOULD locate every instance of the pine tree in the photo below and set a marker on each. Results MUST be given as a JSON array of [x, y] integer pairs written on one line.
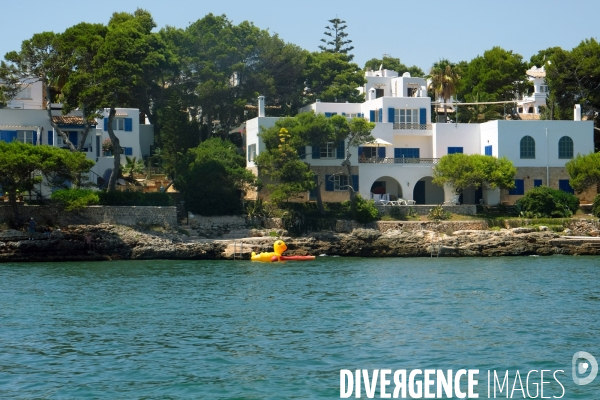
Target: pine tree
[[337, 38]]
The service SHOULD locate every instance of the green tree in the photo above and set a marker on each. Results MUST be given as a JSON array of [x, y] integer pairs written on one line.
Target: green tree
[[461, 171], [213, 178], [337, 38], [331, 77], [23, 165], [573, 77], [392, 64], [78, 46], [444, 80], [498, 72], [584, 171], [281, 163], [122, 70]]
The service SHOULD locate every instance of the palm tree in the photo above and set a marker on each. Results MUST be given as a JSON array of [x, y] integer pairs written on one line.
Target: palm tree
[[444, 80], [481, 112]]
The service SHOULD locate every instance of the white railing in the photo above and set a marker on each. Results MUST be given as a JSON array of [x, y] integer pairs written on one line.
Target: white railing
[[418, 127], [377, 160]]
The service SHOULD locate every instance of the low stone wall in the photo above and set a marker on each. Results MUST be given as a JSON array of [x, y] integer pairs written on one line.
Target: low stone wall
[[122, 215], [463, 209], [344, 226]]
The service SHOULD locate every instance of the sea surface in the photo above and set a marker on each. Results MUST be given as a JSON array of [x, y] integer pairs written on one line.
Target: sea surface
[[242, 330]]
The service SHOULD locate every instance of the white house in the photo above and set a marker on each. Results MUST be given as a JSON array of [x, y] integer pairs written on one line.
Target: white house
[[32, 126], [530, 104], [401, 110]]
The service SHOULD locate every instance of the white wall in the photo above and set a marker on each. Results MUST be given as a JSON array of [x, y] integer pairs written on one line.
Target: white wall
[[456, 135], [252, 131], [510, 134], [489, 136]]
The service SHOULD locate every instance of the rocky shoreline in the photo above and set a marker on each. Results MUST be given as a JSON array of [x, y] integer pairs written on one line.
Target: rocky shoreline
[[115, 242]]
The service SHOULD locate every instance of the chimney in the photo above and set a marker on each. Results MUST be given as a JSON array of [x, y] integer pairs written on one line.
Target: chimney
[[577, 112], [261, 106]]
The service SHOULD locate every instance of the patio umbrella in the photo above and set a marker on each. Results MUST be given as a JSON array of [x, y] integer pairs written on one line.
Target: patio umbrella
[[377, 143]]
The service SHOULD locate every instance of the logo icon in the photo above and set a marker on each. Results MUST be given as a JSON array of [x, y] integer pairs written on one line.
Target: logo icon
[[580, 367]]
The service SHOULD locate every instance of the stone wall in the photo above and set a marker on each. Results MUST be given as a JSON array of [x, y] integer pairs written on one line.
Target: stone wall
[[123, 215], [529, 174], [463, 209]]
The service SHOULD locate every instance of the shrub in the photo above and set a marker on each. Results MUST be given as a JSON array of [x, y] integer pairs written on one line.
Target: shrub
[[114, 198], [365, 210], [74, 199], [438, 213], [546, 202]]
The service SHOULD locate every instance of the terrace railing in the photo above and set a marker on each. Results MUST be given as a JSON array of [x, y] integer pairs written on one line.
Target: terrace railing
[[377, 160], [418, 127]]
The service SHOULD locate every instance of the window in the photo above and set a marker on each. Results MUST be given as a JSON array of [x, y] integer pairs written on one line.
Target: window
[[488, 150], [407, 153], [25, 136], [519, 188], [340, 182], [329, 150], [411, 92], [454, 150], [351, 115], [563, 184], [407, 116], [128, 151], [527, 147], [379, 93], [537, 183], [543, 88], [118, 124], [25, 93], [251, 152], [565, 147]]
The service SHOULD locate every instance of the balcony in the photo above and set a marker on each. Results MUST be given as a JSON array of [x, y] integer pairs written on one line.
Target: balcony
[[418, 127], [377, 160]]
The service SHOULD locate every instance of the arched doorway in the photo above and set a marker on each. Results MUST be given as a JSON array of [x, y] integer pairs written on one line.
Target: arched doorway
[[426, 192], [386, 184]]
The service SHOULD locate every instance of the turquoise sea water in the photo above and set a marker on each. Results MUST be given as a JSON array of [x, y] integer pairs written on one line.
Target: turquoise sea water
[[208, 329]]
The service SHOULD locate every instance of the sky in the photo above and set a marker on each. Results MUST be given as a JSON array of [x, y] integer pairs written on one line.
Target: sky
[[419, 33]]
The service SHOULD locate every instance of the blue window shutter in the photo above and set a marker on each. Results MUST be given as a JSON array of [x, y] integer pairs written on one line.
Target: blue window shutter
[[328, 184], [5, 136], [372, 116], [537, 183], [453, 150], [341, 150], [488, 150], [128, 151], [381, 115], [519, 187], [328, 114], [13, 135], [563, 184], [50, 137], [381, 152], [422, 116], [355, 182], [332, 114], [316, 152], [391, 115], [35, 138], [105, 124], [128, 124], [302, 152], [361, 150], [73, 138]]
